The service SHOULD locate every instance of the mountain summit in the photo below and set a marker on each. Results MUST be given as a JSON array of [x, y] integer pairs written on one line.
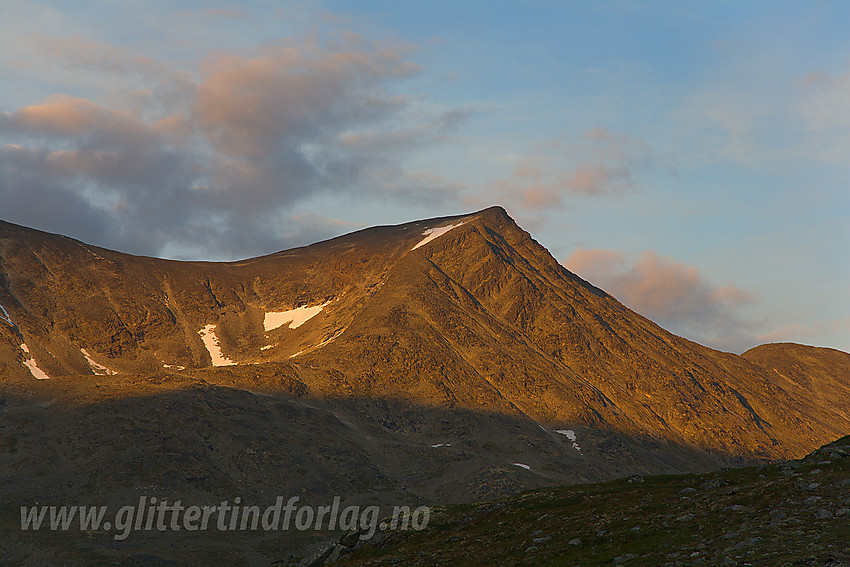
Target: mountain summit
[[444, 360], [456, 345], [466, 311]]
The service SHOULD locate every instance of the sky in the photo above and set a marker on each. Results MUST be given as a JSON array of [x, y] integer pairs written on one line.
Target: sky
[[690, 158]]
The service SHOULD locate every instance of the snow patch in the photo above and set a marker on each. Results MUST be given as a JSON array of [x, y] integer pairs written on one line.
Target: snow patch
[[441, 445], [320, 345], [571, 435], [295, 317], [98, 369], [267, 347], [434, 233], [32, 365], [214, 346], [6, 315], [526, 467], [37, 372], [327, 340]]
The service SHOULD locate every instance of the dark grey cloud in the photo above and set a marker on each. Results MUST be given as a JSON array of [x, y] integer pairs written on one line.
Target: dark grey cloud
[[213, 165]]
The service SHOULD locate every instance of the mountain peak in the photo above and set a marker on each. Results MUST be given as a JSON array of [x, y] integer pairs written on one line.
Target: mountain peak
[[466, 310], [444, 360]]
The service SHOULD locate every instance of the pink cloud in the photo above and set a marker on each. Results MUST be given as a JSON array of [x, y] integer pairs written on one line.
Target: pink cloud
[[826, 107], [807, 333], [65, 116], [247, 105], [599, 163], [595, 262]]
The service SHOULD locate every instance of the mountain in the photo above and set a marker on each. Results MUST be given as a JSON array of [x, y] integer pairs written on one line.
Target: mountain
[[444, 360], [808, 373]]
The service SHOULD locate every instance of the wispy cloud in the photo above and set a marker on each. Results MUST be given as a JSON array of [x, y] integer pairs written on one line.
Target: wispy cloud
[[599, 163], [825, 108], [671, 293], [807, 333], [236, 144], [757, 111]]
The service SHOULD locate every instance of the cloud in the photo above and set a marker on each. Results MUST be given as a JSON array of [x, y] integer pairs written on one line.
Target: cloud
[[81, 53], [671, 293], [816, 333], [825, 109], [212, 163], [754, 110], [250, 106], [599, 163]]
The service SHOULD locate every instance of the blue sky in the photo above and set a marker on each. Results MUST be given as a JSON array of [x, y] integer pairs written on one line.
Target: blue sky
[[693, 159]]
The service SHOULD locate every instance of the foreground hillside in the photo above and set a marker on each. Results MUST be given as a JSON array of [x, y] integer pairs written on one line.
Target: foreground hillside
[[793, 513]]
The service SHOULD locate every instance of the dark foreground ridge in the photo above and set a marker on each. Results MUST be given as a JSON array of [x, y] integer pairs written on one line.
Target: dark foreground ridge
[[795, 513]]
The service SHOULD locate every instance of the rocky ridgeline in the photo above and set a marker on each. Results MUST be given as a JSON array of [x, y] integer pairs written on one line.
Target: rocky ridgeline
[[791, 513], [481, 317]]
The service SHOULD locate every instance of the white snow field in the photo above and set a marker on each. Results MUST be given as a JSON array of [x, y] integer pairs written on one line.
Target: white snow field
[[97, 368], [434, 233], [571, 435], [214, 346], [295, 317], [6, 315], [32, 365]]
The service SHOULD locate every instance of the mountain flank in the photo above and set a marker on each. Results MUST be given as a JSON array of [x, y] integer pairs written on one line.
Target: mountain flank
[[447, 360], [464, 311]]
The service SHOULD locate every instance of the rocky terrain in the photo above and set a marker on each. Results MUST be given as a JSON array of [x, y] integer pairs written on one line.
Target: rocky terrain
[[443, 361], [787, 514]]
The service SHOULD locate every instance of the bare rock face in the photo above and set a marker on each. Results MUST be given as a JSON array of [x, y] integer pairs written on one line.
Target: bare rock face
[[443, 360]]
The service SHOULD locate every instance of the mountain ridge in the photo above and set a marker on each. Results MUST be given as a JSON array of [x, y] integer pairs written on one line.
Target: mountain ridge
[[444, 360], [485, 294]]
